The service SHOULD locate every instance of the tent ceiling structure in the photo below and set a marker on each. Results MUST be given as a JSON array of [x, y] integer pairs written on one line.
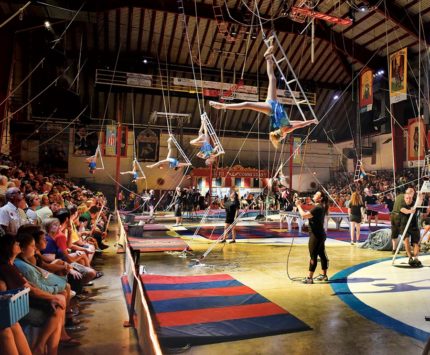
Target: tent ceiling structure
[[153, 31]]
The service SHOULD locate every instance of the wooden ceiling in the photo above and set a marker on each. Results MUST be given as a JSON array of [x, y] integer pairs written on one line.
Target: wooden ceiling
[[154, 31]]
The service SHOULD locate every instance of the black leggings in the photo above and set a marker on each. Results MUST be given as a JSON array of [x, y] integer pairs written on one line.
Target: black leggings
[[317, 248]]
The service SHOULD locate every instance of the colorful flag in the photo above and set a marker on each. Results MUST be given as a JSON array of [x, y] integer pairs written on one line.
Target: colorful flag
[[398, 75], [366, 90], [110, 148]]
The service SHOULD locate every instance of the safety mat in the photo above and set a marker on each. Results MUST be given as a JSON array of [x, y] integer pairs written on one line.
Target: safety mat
[[215, 308]]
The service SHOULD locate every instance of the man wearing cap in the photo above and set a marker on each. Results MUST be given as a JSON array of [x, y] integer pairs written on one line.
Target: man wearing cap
[[9, 215]]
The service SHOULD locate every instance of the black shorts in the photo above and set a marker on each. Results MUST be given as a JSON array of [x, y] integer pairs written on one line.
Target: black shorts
[[371, 213], [178, 211], [414, 234], [395, 225]]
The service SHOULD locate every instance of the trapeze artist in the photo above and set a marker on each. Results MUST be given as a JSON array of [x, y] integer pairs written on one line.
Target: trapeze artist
[[134, 172], [280, 125], [172, 163], [207, 151]]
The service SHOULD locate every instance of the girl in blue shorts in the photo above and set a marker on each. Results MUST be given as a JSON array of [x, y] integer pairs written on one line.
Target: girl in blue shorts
[[280, 125], [207, 151], [172, 163]]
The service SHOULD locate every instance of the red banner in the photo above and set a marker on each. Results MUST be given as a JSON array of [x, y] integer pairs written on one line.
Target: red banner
[[235, 172]]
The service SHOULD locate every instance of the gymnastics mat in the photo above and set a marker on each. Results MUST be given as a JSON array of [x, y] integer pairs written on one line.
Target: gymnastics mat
[[243, 232], [157, 244], [216, 308]]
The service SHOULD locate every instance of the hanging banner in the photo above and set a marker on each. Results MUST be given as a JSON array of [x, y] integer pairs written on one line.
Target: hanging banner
[[148, 143], [110, 147], [297, 150], [85, 141], [416, 139], [366, 91], [398, 75]]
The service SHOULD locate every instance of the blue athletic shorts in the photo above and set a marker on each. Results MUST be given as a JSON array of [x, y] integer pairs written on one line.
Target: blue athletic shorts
[[206, 150], [173, 163], [278, 116], [92, 165]]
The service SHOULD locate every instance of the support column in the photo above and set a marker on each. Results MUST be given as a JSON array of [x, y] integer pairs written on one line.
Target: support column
[[291, 160], [6, 60], [118, 142]]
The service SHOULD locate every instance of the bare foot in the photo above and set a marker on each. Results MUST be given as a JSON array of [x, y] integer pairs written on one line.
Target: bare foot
[[216, 105]]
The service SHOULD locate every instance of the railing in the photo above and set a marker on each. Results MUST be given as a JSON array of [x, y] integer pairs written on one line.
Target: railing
[[139, 314]]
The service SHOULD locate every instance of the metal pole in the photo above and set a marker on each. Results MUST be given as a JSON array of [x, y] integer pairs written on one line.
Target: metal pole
[[118, 144], [291, 161]]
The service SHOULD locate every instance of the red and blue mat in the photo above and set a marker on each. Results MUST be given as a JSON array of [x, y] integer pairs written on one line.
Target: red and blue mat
[[216, 308]]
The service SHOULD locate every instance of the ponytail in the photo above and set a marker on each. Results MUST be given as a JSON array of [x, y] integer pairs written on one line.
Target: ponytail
[[324, 202]]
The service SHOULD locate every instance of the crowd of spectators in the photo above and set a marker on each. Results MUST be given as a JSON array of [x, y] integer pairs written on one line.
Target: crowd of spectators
[[50, 231], [380, 183]]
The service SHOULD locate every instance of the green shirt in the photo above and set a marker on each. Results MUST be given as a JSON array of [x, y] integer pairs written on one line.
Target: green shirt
[[399, 203]]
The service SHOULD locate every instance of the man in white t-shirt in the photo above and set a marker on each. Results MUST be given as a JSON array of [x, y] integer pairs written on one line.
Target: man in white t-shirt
[[9, 216]]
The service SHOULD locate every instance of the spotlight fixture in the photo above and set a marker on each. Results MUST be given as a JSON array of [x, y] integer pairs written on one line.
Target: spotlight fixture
[[145, 61], [363, 8], [336, 97], [47, 25]]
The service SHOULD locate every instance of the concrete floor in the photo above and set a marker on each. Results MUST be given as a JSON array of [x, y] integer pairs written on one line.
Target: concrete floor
[[336, 329], [103, 314]]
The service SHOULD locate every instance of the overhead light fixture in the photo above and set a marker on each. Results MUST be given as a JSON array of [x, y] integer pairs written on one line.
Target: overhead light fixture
[[47, 25], [363, 8], [145, 61], [336, 97]]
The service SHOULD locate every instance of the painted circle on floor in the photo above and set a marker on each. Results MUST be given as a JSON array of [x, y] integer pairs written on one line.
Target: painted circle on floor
[[395, 297]]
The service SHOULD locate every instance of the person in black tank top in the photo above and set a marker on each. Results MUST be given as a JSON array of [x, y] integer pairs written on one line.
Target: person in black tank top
[[317, 235], [231, 207]]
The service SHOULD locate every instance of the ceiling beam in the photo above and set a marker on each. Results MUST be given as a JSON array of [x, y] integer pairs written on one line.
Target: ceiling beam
[[400, 17], [341, 43], [133, 60]]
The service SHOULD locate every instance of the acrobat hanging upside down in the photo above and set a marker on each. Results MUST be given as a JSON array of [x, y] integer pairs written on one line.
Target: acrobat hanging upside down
[[279, 122], [207, 151], [92, 164]]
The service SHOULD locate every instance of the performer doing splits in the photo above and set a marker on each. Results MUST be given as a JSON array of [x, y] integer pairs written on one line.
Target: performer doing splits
[[171, 162], [317, 235], [134, 173], [280, 124], [203, 141]]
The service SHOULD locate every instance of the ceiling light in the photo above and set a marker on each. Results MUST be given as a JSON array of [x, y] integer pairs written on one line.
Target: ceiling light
[[336, 97], [47, 24], [363, 8], [145, 61]]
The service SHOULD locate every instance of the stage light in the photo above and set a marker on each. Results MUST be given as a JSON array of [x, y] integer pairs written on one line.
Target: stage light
[[363, 8], [47, 25], [336, 97], [145, 61]]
